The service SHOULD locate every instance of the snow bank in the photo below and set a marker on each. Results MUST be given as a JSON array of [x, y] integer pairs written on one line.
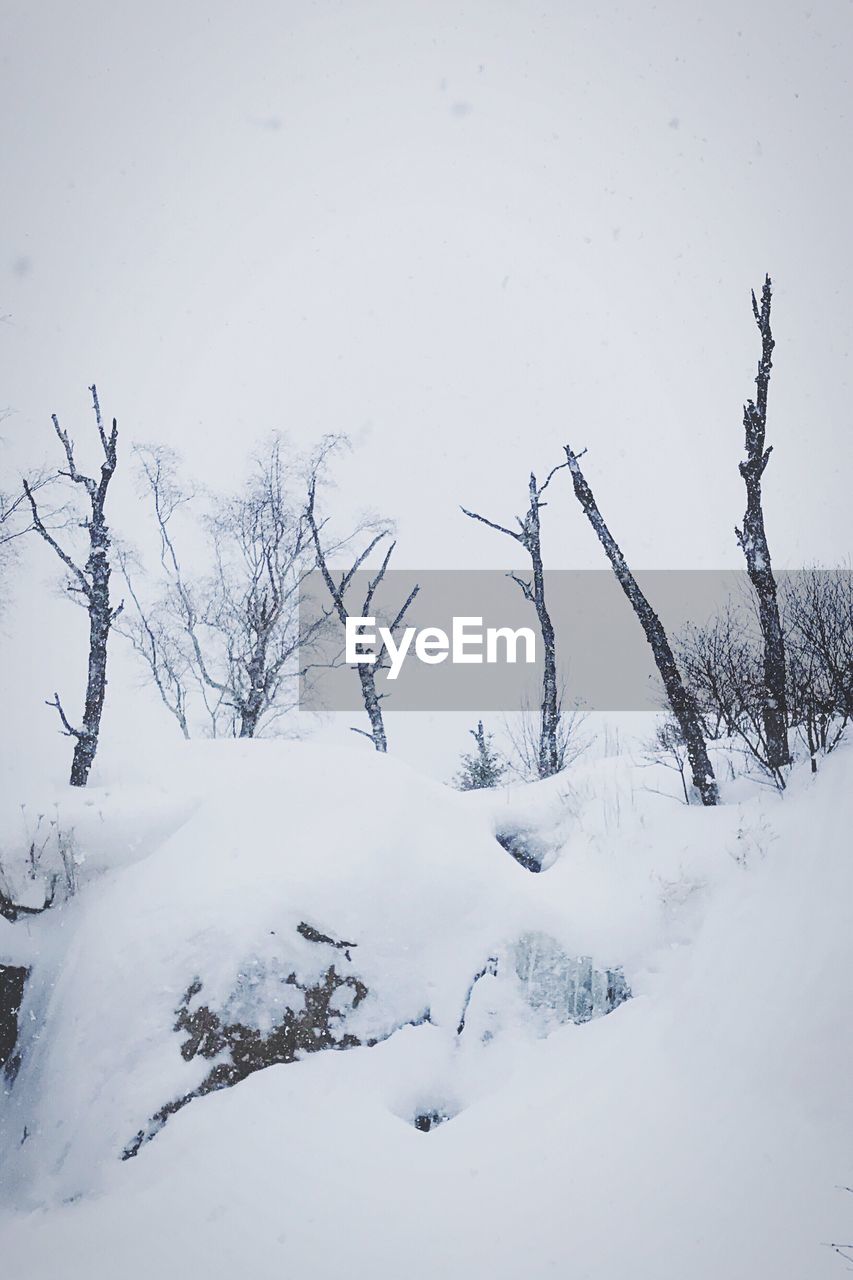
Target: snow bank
[[699, 1130], [268, 846]]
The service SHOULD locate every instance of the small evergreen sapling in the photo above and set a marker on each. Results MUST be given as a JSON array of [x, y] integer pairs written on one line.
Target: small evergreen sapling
[[484, 767]]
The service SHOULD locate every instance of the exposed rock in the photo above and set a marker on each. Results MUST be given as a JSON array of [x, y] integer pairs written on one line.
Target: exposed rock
[[491, 968], [273, 1017], [210, 1034], [12, 983], [314, 935]]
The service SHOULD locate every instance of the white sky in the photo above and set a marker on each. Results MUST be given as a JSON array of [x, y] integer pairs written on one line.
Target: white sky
[[463, 233]]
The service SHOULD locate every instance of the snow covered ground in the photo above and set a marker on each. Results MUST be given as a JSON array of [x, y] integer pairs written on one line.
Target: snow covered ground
[[699, 1129]]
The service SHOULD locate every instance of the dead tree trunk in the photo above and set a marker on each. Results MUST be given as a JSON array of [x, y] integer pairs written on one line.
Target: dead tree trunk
[[679, 699], [92, 581], [529, 534], [337, 591], [753, 542]]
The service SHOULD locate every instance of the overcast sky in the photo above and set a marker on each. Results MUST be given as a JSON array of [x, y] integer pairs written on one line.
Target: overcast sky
[[464, 233]]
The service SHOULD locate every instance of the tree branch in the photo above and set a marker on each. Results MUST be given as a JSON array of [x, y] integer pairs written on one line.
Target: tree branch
[[40, 529], [70, 731], [549, 477], [526, 588], [472, 515]]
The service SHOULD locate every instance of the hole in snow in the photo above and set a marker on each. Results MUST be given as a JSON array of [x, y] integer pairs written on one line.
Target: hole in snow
[[425, 1121], [529, 850]]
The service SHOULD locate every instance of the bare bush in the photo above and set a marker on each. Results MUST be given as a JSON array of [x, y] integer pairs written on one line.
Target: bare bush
[[818, 620], [724, 669], [569, 740], [667, 747], [42, 873]]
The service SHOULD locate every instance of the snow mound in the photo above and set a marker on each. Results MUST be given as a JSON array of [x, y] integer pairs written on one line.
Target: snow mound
[[701, 1129], [277, 899]]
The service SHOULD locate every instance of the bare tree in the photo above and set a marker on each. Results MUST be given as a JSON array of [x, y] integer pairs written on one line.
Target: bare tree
[[12, 526], [165, 633], [753, 541], [153, 632], [92, 582], [15, 517], [262, 549], [338, 590], [12, 506], [233, 636], [680, 701], [844, 1251], [529, 535]]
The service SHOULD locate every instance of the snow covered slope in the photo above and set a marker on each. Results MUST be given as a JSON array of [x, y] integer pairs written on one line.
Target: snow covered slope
[[700, 1129]]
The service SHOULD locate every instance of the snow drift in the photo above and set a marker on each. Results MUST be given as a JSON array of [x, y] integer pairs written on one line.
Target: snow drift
[[478, 1119]]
